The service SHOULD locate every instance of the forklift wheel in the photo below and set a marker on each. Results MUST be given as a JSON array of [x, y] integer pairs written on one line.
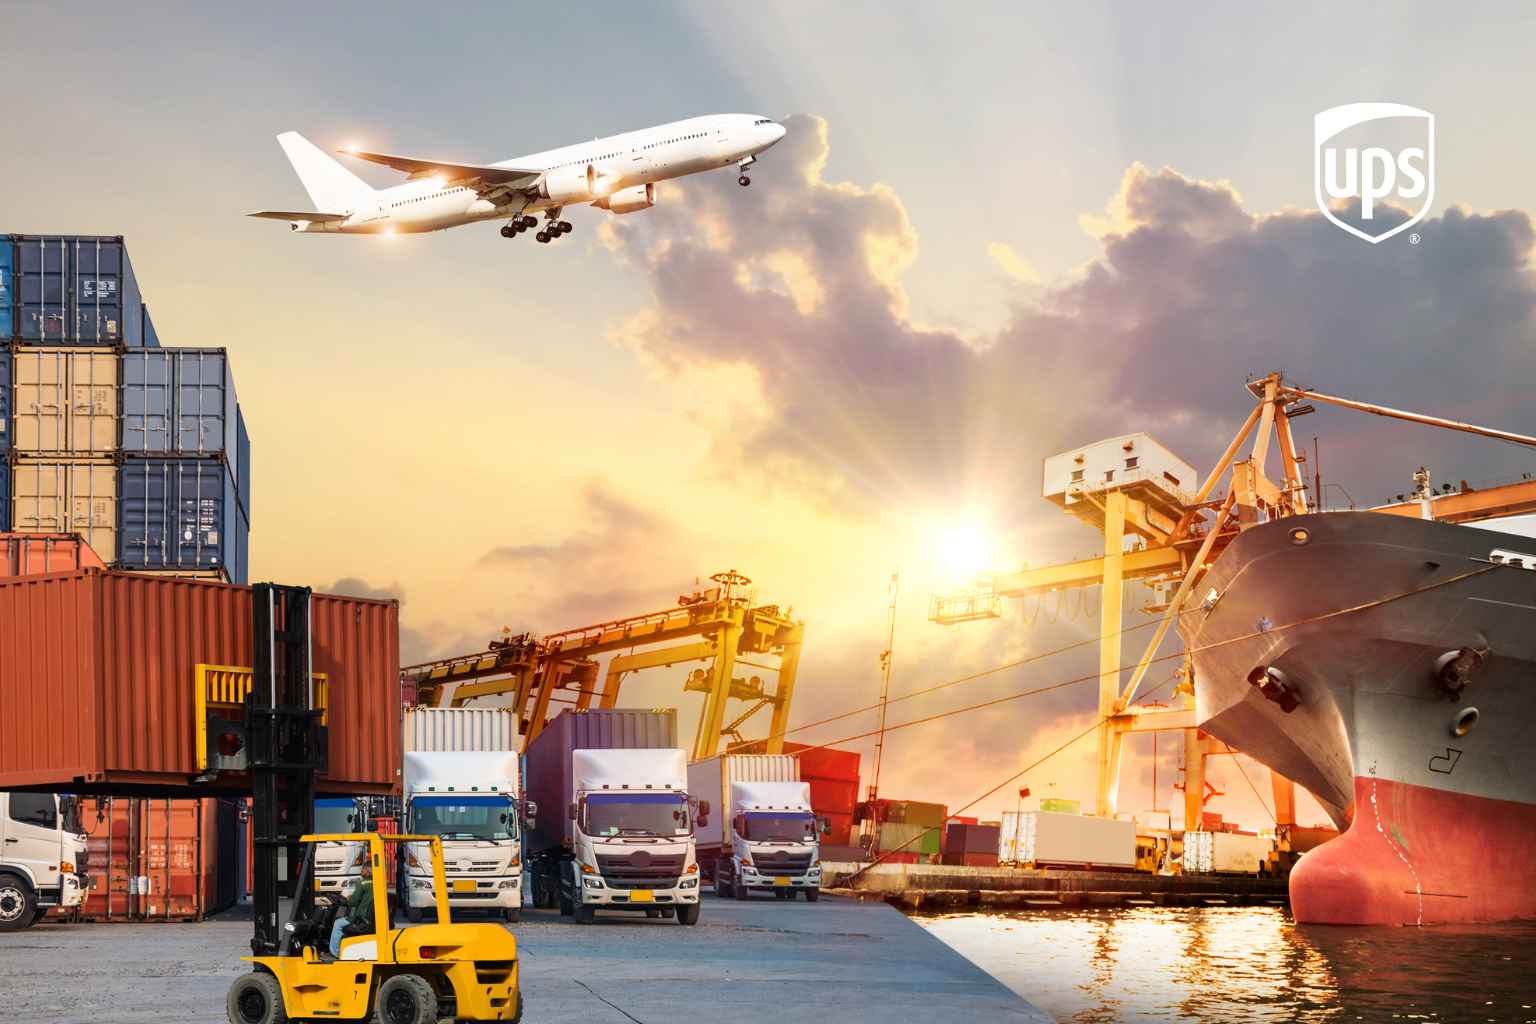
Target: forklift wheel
[[256, 999], [688, 913], [518, 1017], [406, 999], [414, 914], [513, 915]]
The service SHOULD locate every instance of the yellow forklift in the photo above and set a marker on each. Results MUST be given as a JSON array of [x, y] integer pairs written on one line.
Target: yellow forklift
[[412, 975], [415, 975]]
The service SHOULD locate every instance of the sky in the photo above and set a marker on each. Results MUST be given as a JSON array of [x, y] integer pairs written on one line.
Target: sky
[[985, 240]]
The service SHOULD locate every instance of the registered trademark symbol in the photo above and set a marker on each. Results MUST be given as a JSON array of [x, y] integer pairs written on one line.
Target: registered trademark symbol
[[1414, 238]]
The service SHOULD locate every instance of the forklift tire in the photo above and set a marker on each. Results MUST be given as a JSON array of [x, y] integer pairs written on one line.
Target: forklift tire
[[812, 895], [513, 915], [256, 999], [414, 915], [688, 913], [18, 904], [406, 999], [518, 1016]]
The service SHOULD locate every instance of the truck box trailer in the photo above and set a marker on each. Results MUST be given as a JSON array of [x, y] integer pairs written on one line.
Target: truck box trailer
[[1226, 853], [610, 821], [758, 830], [1050, 839]]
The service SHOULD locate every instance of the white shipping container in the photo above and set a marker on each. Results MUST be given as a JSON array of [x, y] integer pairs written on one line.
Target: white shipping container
[[1116, 462], [1225, 853], [67, 496], [1047, 838], [459, 729], [66, 401], [710, 780]]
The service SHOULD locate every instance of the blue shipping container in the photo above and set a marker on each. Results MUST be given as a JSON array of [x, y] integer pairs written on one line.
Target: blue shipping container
[[6, 380], [76, 290], [241, 573], [7, 287], [151, 339], [242, 464], [5, 495], [180, 402], [176, 514]]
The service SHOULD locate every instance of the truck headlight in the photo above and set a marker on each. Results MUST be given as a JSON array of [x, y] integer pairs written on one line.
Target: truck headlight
[[507, 883], [689, 883], [421, 883], [592, 883]]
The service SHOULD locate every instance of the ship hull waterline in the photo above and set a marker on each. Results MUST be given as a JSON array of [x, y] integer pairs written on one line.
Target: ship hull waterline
[[1352, 614]]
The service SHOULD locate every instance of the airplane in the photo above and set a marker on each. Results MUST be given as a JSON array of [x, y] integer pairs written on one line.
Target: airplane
[[618, 174]]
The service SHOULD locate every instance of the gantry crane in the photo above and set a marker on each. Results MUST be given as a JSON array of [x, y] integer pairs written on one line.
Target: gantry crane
[[1173, 545], [724, 622]]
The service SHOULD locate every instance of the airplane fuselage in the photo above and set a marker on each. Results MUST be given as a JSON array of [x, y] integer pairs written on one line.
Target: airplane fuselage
[[584, 173]]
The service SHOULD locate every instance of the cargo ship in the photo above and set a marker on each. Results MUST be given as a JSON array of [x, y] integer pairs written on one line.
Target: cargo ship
[[1388, 665]]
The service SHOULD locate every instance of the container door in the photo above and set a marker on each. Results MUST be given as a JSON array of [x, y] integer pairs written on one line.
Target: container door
[[5, 394], [5, 499], [41, 290], [199, 410], [7, 289], [32, 839], [146, 402], [40, 400], [94, 406]]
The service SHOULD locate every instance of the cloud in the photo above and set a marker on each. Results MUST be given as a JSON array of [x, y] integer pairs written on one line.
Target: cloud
[[797, 281], [1010, 261], [351, 586]]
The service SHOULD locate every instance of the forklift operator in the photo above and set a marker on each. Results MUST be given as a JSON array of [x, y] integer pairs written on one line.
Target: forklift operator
[[362, 900]]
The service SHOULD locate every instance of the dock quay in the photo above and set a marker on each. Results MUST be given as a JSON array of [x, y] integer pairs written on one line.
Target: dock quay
[[936, 885], [757, 960]]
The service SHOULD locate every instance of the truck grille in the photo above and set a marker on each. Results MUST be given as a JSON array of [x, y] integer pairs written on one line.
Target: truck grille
[[483, 867], [629, 871], [327, 865], [783, 862]]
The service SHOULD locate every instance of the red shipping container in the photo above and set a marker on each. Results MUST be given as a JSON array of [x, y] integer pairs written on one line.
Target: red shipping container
[[98, 670], [834, 779], [31, 554]]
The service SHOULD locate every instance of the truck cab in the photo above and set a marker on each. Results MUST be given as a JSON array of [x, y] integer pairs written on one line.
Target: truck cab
[[632, 837], [42, 856], [775, 842], [470, 800], [339, 866]]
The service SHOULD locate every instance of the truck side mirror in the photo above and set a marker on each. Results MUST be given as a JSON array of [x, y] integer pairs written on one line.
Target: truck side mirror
[[571, 812], [703, 816], [531, 809], [826, 826]]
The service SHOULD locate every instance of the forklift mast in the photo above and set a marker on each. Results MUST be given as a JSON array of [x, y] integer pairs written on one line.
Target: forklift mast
[[288, 748]]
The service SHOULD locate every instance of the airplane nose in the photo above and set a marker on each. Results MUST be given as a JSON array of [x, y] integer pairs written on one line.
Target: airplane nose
[[777, 133]]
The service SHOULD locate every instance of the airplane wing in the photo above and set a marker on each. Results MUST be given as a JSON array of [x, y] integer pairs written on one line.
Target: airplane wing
[[313, 217], [517, 177]]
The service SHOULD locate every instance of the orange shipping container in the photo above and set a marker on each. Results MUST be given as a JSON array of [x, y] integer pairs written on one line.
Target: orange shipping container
[[97, 675], [27, 554]]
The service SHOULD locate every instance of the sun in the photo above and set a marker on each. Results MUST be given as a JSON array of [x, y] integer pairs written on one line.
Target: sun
[[964, 548]]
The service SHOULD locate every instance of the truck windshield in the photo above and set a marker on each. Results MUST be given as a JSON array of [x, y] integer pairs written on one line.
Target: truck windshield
[[763, 826], [462, 817], [334, 815], [638, 814]]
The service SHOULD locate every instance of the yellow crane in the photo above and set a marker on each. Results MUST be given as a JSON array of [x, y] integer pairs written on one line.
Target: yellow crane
[[722, 625]]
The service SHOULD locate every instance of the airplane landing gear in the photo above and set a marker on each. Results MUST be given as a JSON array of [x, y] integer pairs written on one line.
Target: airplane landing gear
[[542, 236], [742, 166], [517, 225], [565, 227], [743, 180]]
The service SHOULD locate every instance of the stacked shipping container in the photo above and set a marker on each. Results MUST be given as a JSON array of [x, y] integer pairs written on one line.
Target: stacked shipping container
[[141, 449]]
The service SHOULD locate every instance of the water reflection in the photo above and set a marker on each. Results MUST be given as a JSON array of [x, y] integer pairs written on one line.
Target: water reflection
[[1222, 965]]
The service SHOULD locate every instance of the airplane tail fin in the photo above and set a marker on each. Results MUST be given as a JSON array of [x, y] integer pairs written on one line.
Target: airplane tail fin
[[327, 182]]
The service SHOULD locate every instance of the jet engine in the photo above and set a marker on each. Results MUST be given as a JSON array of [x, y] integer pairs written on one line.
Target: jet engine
[[569, 184], [628, 200]]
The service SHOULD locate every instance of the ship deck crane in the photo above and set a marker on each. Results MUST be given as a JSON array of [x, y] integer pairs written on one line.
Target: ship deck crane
[[1176, 543], [724, 624]]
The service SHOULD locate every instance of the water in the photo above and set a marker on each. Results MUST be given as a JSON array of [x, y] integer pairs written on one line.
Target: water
[[1226, 965]]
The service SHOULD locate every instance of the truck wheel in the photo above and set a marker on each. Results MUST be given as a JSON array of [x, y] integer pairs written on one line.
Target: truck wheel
[[812, 895], [740, 891], [669, 912], [18, 904], [414, 915], [567, 908], [513, 915], [406, 999], [655, 912], [256, 999], [585, 913], [688, 913]]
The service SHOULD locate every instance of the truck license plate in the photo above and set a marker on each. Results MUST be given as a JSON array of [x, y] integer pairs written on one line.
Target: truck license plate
[[464, 885], [642, 896], [781, 880]]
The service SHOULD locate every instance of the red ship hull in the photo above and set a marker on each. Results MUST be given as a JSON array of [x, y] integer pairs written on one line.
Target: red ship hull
[[1419, 856]]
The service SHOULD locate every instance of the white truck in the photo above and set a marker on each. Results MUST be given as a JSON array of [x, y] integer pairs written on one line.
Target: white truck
[[339, 866], [470, 799], [42, 856], [765, 837], [612, 825]]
